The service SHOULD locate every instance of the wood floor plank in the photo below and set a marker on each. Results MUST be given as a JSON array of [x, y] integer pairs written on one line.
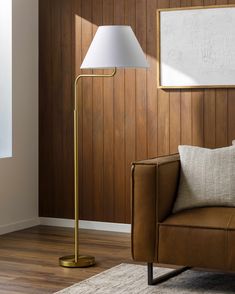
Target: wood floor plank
[[29, 258]]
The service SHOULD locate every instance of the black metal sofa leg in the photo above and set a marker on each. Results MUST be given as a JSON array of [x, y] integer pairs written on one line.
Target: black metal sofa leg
[[163, 278]]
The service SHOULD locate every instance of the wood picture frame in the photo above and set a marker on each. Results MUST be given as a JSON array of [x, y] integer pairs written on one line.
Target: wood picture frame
[[173, 71]]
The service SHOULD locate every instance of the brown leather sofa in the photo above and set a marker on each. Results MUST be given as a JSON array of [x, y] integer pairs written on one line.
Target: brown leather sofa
[[200, 237]]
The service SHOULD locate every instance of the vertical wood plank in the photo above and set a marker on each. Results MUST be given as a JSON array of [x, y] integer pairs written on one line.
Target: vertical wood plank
[[186, 117], [186, 106], [67, 108], [230, 109], [175, 108], [197, 107], [151, 51], [197, 118], [87, 85], [209, 118], [119, 138], [141, 130], [231, 118], [97, 125], [174, 105], [221, 109], [77, 39], [209, 109], [108, 88], [130, 119], [221, 117], [57, 109], [163, 109], [46, 202]]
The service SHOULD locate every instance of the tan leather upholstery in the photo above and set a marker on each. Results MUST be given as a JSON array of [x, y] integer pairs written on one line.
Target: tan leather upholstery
[[194, 247], [200, 237], [206, 217], [146, 205]]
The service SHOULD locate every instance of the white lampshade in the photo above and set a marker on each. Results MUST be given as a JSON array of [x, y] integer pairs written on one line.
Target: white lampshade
[[114, 46]]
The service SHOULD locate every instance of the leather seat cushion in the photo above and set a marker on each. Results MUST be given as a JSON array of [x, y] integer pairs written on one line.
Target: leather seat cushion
[[206, 217], [199, 237]]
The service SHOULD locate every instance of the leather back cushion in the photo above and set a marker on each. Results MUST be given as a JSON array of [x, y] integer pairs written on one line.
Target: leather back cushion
[[207, 177]]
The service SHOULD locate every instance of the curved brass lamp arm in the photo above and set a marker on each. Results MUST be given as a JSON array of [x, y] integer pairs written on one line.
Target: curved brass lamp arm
[[89, 76]]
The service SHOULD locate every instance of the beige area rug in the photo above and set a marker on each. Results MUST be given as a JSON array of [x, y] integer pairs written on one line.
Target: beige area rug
[[132, 279]]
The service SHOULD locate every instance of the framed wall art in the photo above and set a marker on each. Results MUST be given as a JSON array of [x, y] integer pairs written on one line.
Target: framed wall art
[[196, 47]]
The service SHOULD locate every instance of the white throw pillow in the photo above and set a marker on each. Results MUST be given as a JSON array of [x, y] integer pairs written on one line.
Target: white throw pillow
[[207, 177]]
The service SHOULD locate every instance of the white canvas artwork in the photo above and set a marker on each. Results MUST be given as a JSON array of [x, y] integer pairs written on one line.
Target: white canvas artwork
[[197, 47]]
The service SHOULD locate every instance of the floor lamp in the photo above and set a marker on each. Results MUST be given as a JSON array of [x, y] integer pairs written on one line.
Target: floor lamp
[[112, 47]]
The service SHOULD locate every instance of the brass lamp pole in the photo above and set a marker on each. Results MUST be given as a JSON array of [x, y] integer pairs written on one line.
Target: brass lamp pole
[[112, 47], [77, 260]]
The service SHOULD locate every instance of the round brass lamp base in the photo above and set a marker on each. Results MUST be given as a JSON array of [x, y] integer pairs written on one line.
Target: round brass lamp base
[[83, 261]]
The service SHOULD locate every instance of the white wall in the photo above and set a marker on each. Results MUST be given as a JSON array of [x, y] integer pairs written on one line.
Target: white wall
[[19, 174], [5, 78]]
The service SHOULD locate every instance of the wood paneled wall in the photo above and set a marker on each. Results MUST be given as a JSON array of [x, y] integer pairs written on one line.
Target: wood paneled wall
[[120, 119]]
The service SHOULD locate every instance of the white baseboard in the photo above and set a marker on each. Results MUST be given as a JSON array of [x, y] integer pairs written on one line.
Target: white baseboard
[[90, 225], [20, 225]]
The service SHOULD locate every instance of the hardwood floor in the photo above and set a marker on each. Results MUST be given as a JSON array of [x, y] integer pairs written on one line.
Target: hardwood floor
[[29, 258]]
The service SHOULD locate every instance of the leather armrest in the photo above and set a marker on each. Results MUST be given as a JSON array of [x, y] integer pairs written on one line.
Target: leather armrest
[[154, 186]]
